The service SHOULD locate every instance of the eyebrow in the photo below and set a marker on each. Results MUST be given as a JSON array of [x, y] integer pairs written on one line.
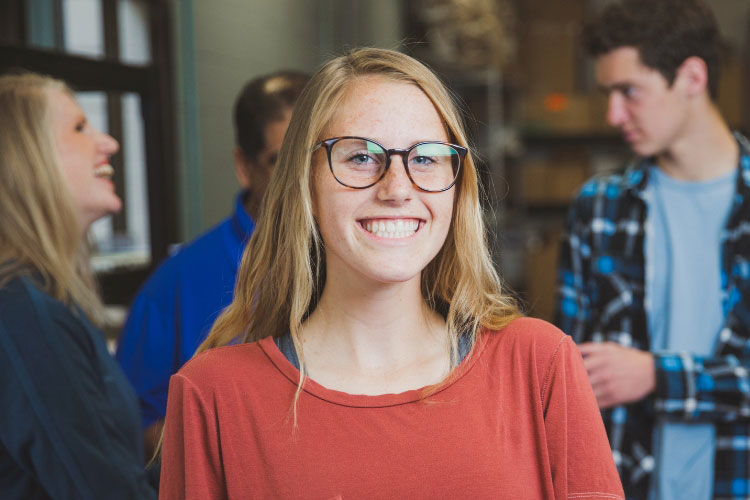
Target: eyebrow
[[617, 87]]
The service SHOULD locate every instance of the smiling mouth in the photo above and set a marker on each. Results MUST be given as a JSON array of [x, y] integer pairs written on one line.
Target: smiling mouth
[[391, 228], [105, 170]]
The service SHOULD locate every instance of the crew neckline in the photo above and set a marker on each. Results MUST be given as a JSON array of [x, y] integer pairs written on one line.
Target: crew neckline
[[665, 180], [311, 387]]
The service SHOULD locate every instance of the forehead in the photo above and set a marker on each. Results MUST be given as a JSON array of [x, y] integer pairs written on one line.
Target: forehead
[[389, 111], [62, 106], [624, 65]]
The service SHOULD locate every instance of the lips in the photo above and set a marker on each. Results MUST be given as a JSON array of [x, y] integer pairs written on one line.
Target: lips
[[630, 135], [391, 228]]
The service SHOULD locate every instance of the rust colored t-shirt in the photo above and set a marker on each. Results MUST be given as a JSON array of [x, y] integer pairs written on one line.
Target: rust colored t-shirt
[[517, 420]]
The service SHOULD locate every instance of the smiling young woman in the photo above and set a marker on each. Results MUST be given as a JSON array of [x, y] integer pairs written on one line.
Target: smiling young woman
[[370, 350]]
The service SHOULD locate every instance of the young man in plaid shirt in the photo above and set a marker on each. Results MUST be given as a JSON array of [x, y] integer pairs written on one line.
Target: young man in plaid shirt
[[654, 282]]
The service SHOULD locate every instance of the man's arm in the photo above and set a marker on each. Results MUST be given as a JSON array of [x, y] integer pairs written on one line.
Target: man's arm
[[147, 354], [683, 386]]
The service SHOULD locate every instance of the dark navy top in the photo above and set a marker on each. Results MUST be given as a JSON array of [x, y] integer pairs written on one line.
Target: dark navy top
[[69, 424], [174, 310], [286, 346]]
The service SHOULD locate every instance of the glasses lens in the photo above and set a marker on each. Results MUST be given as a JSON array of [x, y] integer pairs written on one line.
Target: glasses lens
[[357, 162], [433, 166]]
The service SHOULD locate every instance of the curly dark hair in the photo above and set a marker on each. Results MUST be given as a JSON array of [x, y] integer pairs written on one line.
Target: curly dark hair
[[262, 101], [665, 33]]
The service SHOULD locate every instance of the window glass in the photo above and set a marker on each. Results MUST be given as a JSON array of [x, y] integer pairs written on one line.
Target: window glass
[[83, 32], [133, 27], [40, 23], [136, 192]]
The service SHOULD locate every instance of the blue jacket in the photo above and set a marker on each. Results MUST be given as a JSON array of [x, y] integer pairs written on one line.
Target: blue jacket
[[174, 310]]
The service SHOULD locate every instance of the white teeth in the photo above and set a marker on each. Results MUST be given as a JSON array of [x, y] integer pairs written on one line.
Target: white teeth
[[104, 171], [399, 228]]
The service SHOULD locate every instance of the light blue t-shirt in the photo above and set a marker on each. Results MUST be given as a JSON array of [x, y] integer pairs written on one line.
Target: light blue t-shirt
[[683, 290]]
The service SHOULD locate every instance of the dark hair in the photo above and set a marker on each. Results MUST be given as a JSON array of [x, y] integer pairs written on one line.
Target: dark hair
[[262, 101], [665, 33]]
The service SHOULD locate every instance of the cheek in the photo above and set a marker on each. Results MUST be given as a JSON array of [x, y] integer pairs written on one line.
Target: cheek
[[68, 170], [70, 160], [448, 206], [314, 192]]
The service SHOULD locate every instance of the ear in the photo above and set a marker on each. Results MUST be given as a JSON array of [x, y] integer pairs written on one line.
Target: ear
[[242, 168], [692, 76]]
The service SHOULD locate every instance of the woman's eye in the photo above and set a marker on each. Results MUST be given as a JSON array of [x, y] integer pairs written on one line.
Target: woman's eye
[[80, 126], [360, 159], [423, 160]]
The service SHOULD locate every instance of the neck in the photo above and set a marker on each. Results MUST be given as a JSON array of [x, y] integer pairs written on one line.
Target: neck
[[252, 205], [705, 149], [363, 331]]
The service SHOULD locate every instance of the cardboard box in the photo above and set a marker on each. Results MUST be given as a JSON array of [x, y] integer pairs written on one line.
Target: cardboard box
[[552, 183], [731, 96], [550, 45], [564, 114], [541, 276], [556, 113]]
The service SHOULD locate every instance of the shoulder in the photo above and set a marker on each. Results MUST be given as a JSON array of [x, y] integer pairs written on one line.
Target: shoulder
[[34, 321], [207, 243], [187, 260], [18, 294], [22, 301], [529, 332], [529, 340], [222, 366], [604, 199], [613, 186]]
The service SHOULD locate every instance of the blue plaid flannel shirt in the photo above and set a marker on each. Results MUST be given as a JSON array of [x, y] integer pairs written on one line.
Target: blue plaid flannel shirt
[[601, 288]]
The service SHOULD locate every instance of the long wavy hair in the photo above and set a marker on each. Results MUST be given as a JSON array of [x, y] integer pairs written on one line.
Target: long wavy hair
[[39, 234], [282, 274]]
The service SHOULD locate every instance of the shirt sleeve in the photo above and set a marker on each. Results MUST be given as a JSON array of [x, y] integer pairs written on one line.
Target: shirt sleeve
[[699, 388], [59, 423], [573, 308], [148, 352], [191, 463], [580, 457]]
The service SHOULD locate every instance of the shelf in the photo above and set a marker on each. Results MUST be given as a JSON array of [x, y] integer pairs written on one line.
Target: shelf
[[535, 139]]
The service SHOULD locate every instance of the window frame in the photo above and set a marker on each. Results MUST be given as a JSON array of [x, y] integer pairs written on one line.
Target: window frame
[[153, 83]]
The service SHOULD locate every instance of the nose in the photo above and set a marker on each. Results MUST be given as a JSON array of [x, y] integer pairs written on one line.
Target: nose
[[616, 113], [106, 143], [396, 185]]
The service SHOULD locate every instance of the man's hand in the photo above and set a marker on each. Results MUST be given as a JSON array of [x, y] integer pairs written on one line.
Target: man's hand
[[618, 374]]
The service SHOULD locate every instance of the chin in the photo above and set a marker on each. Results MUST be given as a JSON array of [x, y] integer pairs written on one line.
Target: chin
[[645, 150], [110, 209]]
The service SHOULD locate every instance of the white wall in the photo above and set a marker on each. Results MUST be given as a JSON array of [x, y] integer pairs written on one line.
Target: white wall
[[236, 40], [220, 44]]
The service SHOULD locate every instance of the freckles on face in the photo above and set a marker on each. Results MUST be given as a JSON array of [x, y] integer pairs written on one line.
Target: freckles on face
[[390, 231]]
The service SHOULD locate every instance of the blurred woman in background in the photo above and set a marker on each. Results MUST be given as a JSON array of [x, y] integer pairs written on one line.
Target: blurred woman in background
[[69, 421]]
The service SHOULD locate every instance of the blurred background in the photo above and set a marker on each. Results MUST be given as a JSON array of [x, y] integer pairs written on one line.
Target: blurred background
[[161, 76]]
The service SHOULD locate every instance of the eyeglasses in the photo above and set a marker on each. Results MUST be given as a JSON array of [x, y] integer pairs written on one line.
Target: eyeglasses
[[359, 163]]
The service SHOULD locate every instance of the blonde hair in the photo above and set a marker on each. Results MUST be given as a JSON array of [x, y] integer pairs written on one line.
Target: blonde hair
[[282, 273], [38, 226]]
